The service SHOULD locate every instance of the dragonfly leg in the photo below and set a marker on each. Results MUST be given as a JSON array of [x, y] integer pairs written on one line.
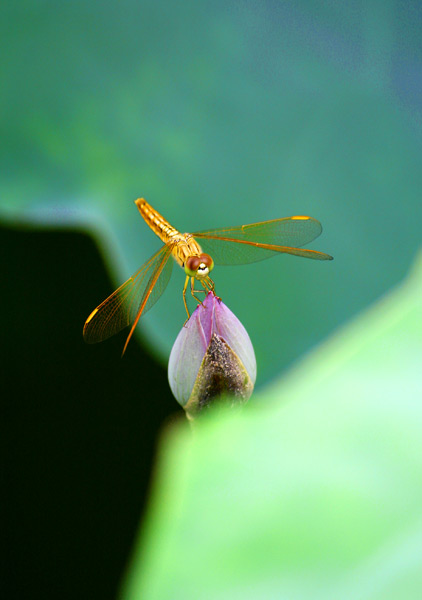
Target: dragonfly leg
[[193, 291], [210, 284], [184, 298]]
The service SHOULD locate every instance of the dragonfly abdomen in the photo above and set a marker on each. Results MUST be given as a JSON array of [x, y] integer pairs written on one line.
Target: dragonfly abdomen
[[183, 245], [156, 222]]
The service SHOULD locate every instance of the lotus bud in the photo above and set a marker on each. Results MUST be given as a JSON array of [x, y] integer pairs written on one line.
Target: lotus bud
[[212, 358]]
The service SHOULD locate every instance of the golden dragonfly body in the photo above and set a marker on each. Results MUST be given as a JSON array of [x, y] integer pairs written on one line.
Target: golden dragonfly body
[[228, 246], [183, 245], [185, 249]]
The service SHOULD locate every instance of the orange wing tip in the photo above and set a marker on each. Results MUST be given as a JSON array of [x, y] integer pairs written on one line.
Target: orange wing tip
[[91, 316], [301, 218]]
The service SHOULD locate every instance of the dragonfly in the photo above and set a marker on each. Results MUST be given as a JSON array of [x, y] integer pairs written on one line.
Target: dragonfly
[[227, 246]]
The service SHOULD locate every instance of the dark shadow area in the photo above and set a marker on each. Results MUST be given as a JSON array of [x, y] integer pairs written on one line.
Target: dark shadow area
[[79, 424]]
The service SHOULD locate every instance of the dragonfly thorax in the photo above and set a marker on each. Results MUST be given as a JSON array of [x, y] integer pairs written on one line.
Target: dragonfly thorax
[[188, 253]]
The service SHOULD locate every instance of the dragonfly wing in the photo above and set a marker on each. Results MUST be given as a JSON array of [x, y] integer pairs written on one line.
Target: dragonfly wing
[[230, 252], [123, 307], [258, 241]]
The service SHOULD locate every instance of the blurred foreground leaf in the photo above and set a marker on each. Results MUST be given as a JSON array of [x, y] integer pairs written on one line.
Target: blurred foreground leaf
[[314, 492]]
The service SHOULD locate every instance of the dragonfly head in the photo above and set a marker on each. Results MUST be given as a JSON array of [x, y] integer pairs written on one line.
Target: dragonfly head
[[199, 266]]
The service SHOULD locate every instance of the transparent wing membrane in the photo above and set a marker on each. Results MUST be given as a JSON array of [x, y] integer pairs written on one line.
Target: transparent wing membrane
[[125, 305], [290, 231], [258, 241], [228, 246]]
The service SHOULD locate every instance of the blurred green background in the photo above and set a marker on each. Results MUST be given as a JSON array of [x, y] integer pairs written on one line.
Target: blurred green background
[[218, 113]]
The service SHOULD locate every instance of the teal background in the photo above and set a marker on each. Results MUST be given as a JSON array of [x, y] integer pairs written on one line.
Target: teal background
[[218, 113], [223, 113]]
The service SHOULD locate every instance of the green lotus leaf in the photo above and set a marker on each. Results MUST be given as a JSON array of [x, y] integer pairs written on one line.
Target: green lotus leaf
[[314, 491]]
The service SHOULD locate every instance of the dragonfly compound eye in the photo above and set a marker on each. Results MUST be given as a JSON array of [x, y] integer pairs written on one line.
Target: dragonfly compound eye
[[199, 266]]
